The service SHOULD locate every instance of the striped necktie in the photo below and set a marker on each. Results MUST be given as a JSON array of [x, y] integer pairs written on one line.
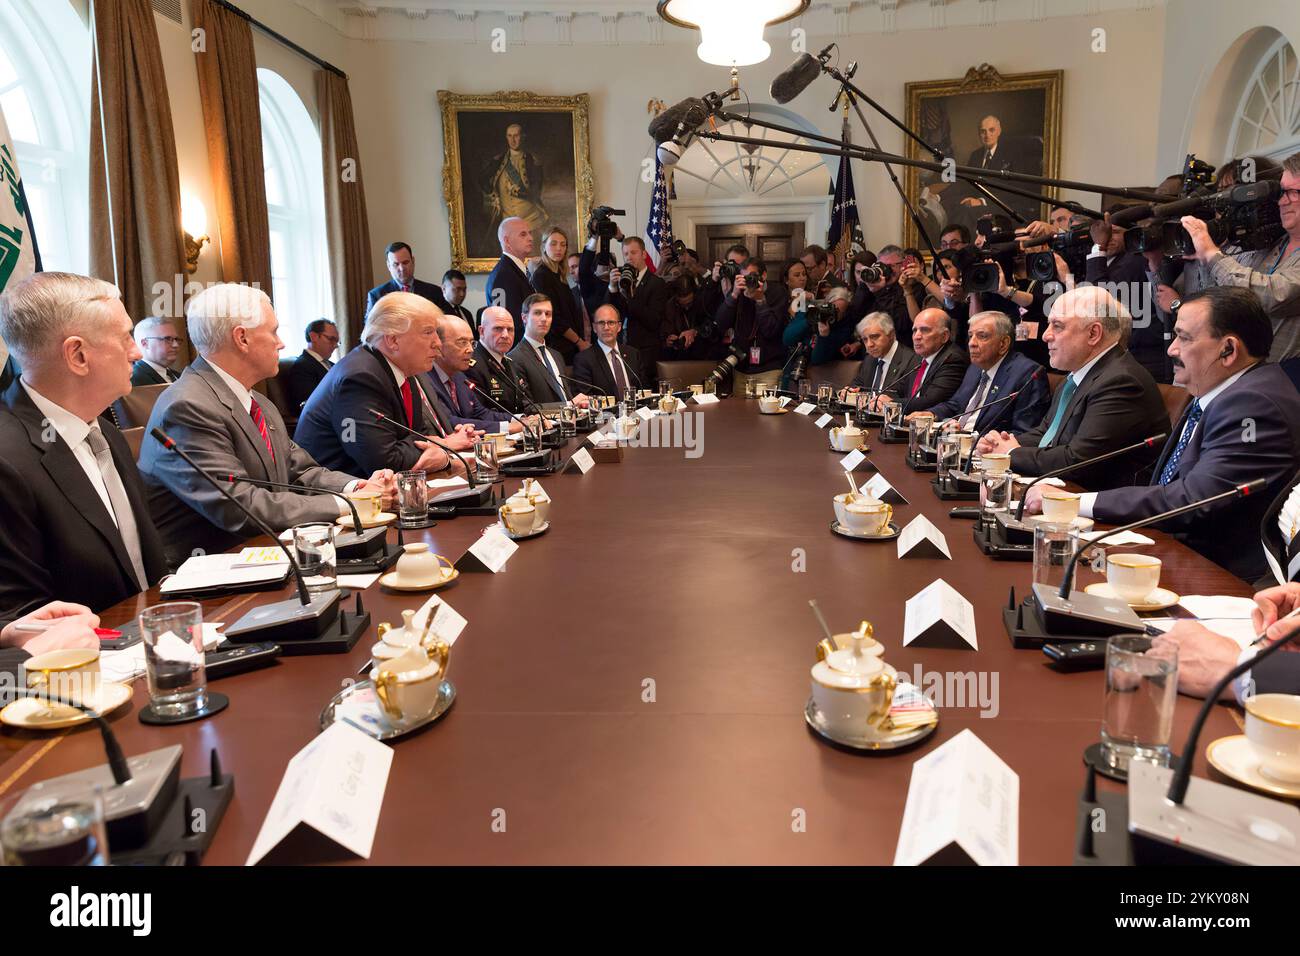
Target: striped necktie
[[255, 410]]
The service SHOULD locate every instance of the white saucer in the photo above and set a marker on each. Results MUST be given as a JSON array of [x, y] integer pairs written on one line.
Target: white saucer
[[1080, 522], [389, 581], [917, 720], [779, 411], [35, 714], [1234, 757], [385, 517], [1157, 600]]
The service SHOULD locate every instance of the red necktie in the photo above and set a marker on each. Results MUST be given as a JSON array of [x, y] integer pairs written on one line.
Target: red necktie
[[920, 374], [451, 391], [406, 403], [255, 410]]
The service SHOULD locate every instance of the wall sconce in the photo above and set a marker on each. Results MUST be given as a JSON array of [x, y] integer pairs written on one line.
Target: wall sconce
[[194, 220]]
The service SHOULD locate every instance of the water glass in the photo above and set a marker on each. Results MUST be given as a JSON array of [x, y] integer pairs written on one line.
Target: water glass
[[568, 420], [665, 386], [1054, 546], [893, 415], [173, 656], [56, 823], [487, 465], [413, 497], [948, 457], [1138, 711], [710, 386], [314, 550], [995, 494], [825, 394]]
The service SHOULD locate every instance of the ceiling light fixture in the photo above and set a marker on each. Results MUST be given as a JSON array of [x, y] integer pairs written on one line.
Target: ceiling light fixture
[[731, 31]]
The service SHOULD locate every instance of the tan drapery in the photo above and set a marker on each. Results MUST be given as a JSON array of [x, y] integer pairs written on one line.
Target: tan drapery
[[346, 227], [135, 197], [232, 122]]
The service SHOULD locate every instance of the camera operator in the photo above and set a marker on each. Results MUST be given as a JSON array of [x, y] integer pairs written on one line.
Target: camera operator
[[1272, 274], [690, 331], [1026, 301], [594, 268], [882, 281], [748, 323], [1108, 264], [642, 297], [830, 333], [716, 284]]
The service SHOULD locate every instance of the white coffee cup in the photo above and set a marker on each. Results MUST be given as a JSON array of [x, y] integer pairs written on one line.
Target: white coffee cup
[[1133, 576], [407, 685], [418, 565], [769, 403], [846, 439], [518, 517], [1060, 506], [995, 462], [1273, 729], [868, 517], [70, 672]]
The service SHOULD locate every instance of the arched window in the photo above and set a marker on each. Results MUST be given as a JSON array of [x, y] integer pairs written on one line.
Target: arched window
[[720, 170], [295, 201], [1267, 120], [45, 97]]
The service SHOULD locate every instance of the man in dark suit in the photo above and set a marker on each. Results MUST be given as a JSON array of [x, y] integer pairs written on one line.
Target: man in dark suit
[[213, 414], [645, 310], [1107, 400], [998, 153], [539, 364], [507, 283], [491, 372], [1243, 423], [1108, 264], [448, 381], [310, 367], [74, 518], [887, 358], [401, 266], [400, 343], [160, 346], [608, 366], [454, 289], [940, 367], [996, 370]]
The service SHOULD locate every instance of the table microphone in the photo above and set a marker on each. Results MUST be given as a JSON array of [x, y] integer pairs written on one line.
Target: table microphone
[[284, 620], [872, 395], [1237, 491], [1144, 443], [996, 401], [362, 535], [473, 387], [469, 473], [112, 749]]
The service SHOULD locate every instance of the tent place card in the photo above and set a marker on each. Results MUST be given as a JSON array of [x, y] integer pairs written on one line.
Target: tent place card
[[921, 539], [333, 788], [581, 461], [706, 398], [880, 489], [806, 408], [644, 414], [963, 807], [489, 553], [785, 400], [937, 616], [446, 624], [854, 459], [824, 421]]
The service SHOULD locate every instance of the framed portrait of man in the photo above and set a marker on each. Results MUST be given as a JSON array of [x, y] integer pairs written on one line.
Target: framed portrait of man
[[990, 122], [510, 154]]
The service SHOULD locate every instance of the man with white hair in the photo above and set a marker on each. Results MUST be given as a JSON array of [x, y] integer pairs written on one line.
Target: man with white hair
[[1106, 402], [887, 359], [448, 381], [74, 517], [507, 283], [213, 414], [161, 346], [339, 425]]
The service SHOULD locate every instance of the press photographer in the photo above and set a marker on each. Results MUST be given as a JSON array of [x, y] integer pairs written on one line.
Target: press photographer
[[642, 298], [691, 332], [1272, 273], [821, 327], [752, 326], [887, 296]]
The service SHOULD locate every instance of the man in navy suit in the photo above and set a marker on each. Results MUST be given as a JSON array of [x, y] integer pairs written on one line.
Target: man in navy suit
[[1243, 423], [940, 366], [161, 346], [609, 366], [401, 266], [507, 283], [452, 387], [540, 364], [996, 370]]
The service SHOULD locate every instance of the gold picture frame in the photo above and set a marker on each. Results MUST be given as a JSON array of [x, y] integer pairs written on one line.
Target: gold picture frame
[[947, 113], [475, 136]]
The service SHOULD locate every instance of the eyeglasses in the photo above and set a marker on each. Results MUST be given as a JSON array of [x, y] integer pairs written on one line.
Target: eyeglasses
[[1290, 195], [169, 339]]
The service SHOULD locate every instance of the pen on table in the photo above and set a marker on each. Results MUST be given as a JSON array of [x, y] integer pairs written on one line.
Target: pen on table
[[37, 627]]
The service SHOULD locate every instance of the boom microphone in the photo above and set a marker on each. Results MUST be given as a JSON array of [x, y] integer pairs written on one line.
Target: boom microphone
[[798, 76]]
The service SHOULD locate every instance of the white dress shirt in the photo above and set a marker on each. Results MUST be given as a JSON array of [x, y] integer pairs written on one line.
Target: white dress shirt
[[545, 356], [885, 363], [162, 370], [242, 395], [73, 431]]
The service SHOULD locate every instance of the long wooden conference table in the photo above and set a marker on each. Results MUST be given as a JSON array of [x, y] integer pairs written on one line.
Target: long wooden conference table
[[684, 572]]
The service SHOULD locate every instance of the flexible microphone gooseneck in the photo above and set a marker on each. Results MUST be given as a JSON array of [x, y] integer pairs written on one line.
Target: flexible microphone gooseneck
[[469, 474], [304, 489], [522, 424], [161, 437], [1238, 491], [112, 749], [1144, 443]]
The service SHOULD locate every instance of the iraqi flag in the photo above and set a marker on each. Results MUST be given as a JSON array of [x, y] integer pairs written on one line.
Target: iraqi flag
[[18, 255]]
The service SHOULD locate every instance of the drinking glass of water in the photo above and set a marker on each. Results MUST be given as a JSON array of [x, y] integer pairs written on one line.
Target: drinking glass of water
[[56, 823], [412, 497], [314, 550], [1138, 714], [173, 655]]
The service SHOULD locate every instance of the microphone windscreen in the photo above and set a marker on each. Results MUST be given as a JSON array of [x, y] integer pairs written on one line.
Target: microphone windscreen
[[668, 153], [795, 79], [663, 126]]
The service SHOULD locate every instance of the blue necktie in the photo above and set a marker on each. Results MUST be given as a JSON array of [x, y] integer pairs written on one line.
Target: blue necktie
[[1171, 466], [1067, 390]]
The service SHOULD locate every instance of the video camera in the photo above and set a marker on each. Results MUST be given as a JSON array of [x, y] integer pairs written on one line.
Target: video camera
[[602, 226], [1244, 216]]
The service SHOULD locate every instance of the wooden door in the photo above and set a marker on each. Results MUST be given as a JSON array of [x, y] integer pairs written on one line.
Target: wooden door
[[773, 242]]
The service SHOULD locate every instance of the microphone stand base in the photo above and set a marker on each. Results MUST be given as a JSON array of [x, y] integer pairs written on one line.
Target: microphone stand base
[[946, 489], [534, 467], [1029, 628], [1102, 827], [892, 436], [196, 799], [992, 540], [925, 461], [324, 627]]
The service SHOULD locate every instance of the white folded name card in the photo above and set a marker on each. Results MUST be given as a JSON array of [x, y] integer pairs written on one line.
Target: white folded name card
[[645, 414], [937, 616], [446, 624], [921, 539], [489, 553], [706, 398], [852, 459], [582, 460], [805, 408], [785, 400], [963, 807], [824, 421], [334, 786], [880, 488]]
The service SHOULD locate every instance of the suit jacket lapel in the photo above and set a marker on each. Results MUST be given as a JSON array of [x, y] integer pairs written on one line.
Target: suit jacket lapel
[[242, 418]]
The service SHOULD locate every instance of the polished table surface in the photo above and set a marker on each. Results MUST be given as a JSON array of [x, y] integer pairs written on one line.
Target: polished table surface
[[684, 572]]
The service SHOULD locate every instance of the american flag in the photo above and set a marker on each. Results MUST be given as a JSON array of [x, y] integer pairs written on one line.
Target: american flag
[[844, 213], [659, 227]]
